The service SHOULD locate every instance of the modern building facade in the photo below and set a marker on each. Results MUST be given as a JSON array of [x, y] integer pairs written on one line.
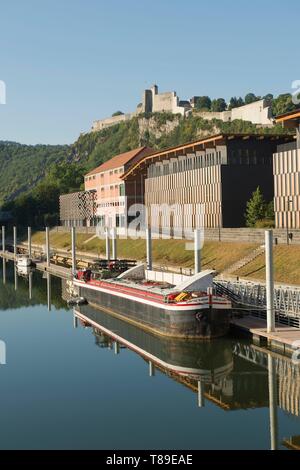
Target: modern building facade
[[207, 182], [112, 193], [286, 164], [78, 209]]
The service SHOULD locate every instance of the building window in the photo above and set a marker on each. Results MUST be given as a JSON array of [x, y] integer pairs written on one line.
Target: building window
[[122, 189]]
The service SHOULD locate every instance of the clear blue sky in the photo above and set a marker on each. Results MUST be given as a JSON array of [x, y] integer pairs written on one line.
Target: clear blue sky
[[68, 62]]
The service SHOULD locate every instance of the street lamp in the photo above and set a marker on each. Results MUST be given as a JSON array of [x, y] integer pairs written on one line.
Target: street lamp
[[288, 202]]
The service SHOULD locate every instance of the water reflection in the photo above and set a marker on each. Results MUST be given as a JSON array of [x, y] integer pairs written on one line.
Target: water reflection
[[21, 288], [230, 373]]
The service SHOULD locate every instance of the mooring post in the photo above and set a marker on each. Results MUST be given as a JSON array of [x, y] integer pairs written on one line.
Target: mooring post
[[49, 291], [151, 369], [30, 286], [4, 270], [73, 244], [149, 248], [16, 278], [269, 280], [273, 402], [114, 243], [116, 347], [75, 321], [29, 242], [15, 242], [3, 238], [197, 250], [107, 244], [201, 398], [48, 246]]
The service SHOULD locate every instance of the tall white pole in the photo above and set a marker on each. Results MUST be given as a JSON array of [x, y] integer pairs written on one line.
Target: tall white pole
[[149, 248], [272, 380], [151, 369], [107, 244], [29, 242], [4, 270], [3, 238], [269, 280], [73, 243], [116, 347], [30, 286], [49, 291], [197, 250], [201, 398], [15, 241], [114, 243], [48, 246], [16, 278]]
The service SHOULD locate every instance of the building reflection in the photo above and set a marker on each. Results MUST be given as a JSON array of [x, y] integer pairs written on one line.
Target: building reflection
[[231, 373]]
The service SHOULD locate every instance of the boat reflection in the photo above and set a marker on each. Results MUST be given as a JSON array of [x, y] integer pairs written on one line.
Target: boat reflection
[[205, 361]]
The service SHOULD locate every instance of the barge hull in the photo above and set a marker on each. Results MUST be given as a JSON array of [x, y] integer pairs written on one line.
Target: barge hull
[[197, 323]]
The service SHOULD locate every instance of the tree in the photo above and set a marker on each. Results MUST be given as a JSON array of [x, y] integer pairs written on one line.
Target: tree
[[235, 102], [203, 103], [268, 97], [256, 208], [283, 104], [251, 98], [117, 113], [269, 212], [68, 177], [218, 105]]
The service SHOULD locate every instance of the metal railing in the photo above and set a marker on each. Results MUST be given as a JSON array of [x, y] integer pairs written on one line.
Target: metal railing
[[253, 296]]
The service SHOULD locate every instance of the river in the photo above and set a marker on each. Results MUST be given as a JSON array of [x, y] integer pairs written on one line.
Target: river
[[82, 379]]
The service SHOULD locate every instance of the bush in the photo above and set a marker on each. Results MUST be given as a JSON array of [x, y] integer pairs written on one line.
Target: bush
[[265, 223]]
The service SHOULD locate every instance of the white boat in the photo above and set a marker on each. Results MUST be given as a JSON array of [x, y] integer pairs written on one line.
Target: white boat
[[24, 261], [24, 270]]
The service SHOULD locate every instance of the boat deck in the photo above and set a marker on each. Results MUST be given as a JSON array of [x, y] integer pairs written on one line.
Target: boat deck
[[156, 289]]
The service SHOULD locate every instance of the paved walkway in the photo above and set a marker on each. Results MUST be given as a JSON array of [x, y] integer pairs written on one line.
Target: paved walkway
[[285, 335]]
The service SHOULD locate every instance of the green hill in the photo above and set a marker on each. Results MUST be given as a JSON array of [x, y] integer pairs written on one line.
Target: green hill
[[158, 130], [23, 166], [33, 177]]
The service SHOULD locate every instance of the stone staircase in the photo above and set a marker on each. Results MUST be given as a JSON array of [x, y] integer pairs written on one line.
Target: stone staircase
[[244, 261]]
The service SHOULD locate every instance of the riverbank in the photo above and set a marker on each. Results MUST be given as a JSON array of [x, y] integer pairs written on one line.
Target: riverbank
[[173, 253]]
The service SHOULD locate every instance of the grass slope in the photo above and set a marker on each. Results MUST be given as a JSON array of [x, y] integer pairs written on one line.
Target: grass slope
[[286, 266], [215, 255]]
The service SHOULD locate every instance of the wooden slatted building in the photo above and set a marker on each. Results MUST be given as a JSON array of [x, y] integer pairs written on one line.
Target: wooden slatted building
[[219, 173], [287, 175]]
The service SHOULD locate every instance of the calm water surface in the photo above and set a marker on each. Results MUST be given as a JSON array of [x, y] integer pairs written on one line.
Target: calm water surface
[[68, 384]]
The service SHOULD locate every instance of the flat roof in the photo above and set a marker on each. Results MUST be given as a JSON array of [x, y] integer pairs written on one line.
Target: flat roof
[[214, 139]]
